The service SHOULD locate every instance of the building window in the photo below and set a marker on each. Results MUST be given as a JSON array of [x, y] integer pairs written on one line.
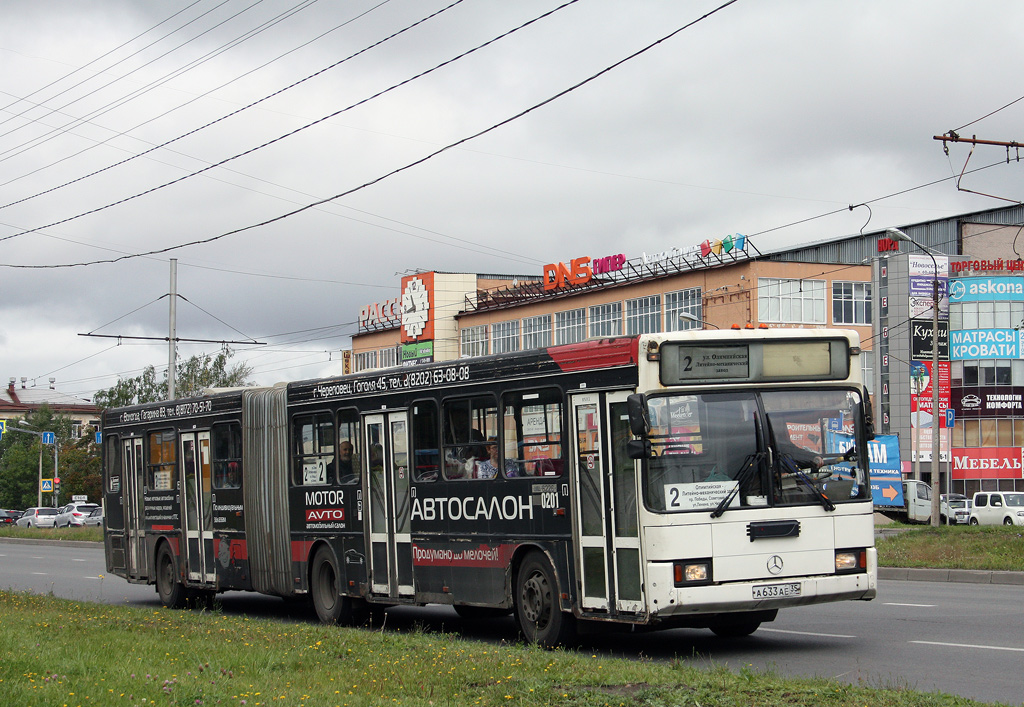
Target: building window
[[570, 326], [365, 360], [606, 320], [505, 336], [537, 332], [851, 303], [643, 315], [474, 341], [388, 357], [791, 301], [867, 370], [683, 302]]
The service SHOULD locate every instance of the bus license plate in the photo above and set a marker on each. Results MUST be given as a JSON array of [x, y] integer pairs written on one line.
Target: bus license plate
[[768, 591]]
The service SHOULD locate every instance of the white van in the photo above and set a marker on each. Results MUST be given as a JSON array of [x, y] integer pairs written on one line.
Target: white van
[[998, 507]]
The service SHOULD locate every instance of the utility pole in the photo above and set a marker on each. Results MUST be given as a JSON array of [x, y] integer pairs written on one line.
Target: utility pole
[[172, 337]]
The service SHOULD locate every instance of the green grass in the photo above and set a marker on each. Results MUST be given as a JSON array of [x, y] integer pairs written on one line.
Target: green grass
[[955, 547], [91, 534], [64, 653]]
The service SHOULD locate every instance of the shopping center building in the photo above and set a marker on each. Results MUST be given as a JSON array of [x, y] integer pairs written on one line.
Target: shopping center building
[[875, 283]]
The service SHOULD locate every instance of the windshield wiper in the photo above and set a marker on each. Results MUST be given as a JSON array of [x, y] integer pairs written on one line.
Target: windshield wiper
[[802, 476], [749, 464]]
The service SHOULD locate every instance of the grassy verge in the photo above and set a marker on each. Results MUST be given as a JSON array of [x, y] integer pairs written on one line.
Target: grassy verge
[[955, 547], [90, 534], [59, 652]]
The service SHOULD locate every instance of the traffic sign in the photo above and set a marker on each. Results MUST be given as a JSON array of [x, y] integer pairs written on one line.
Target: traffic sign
[[48, 437], [950, 417], [3, 425], [47, 486]]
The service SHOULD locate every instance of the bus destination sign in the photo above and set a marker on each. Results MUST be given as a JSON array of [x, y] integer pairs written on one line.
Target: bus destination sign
[[701, 363]]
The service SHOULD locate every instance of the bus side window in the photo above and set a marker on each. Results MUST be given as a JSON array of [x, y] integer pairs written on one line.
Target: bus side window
[[425, 437], [467, 423], [532, 433], [349, 447], [162, 470], [226, 443], [313, 437]]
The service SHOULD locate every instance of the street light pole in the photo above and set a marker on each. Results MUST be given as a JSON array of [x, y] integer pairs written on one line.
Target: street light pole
[[936, 486]]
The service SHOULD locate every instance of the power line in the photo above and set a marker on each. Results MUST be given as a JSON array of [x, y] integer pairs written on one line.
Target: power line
[[398, 170], [200, 96], [316, 122]]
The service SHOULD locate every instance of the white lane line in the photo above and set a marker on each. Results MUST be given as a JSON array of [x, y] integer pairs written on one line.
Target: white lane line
[[88, 577], [807, 633], [923, 606], [82, 559], [969, 645], [43, 573]]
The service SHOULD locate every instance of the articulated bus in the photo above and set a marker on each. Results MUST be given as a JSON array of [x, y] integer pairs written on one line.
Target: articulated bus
[[699, 479]]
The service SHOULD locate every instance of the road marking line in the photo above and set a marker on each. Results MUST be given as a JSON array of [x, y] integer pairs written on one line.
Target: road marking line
[[808, 633], [923, 606], [78, 559], [39, 573], [969, 645]]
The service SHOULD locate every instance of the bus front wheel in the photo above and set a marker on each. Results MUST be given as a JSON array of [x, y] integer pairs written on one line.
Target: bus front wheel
[[537, 610], [172, 593], [331, 607]]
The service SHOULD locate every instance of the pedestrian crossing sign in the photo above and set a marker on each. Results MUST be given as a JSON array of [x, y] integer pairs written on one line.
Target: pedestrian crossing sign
[[47, 486]]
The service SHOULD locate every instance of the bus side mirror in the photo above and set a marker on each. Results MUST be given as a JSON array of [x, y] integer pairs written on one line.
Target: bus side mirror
[[639, 422], [638, 449], [869, 428]]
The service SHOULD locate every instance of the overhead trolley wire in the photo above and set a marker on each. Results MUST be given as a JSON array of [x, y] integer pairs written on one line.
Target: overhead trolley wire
[[35, 142], [240, 110], [385, 176], [193, 100], [90, 63]]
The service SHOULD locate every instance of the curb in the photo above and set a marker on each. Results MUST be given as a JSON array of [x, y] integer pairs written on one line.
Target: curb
[[57, 543], [913, 574]]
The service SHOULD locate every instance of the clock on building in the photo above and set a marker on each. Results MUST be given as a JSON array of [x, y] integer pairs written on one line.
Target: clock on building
[[415, 308]]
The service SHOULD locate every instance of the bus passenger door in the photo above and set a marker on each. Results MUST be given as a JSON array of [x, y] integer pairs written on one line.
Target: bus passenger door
[[133, 486], [604, 480], [198, 508], [389, 504]]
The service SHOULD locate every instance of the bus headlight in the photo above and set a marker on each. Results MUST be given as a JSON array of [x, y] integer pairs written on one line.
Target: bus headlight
[[851, 560], [692, 572]]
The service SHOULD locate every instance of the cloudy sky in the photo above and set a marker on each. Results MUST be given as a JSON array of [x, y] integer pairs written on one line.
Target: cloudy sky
[[762, 118]]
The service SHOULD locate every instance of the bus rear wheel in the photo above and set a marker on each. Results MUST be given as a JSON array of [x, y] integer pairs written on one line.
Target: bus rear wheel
[[537, 610], [172, 593], [325, 586]]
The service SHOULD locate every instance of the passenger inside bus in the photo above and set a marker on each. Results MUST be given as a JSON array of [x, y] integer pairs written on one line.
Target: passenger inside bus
[[346, 469], [461, 458]]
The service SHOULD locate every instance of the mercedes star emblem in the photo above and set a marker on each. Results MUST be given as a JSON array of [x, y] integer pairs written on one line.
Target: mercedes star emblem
[[774, 564]]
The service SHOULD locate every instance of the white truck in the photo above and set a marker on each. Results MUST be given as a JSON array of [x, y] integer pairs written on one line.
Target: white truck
[[917, 506]]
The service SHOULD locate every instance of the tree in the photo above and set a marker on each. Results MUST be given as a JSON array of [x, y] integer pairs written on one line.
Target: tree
[[191, 377], [79, 470]]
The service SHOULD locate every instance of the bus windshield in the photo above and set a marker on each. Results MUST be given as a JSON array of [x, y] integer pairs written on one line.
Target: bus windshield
[[719, 451]]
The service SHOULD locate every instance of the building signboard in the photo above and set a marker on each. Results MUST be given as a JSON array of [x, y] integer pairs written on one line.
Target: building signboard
[[986, 289], [968, 344], [921, 339], [987, 463], [988, 401], [921, 414]]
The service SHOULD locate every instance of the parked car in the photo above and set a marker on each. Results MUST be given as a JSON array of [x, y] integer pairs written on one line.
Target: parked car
[[955, 508], [74, 514], [7, 517], [998, 507], [38, 518], [94, 518]]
